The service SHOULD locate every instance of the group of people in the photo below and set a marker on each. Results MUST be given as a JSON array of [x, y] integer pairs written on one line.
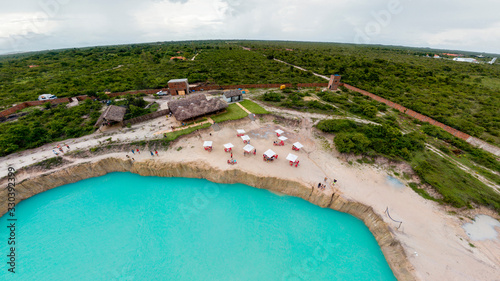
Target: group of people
[[323, 186], [60, 149], [153, 154]]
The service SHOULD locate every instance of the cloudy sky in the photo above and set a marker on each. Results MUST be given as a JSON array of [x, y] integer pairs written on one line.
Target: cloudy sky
[[30, 25]]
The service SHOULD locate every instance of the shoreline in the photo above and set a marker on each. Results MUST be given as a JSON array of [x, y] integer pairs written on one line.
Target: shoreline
[[433, 245], [390, 246]]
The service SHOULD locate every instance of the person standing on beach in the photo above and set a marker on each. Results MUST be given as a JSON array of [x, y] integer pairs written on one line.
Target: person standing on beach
[[67, 146], [133, 152], [231, 155], [156, 152], [151, 153], [138, 151]]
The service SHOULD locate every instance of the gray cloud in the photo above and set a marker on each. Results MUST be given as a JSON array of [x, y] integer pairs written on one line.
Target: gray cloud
[[36, 25]]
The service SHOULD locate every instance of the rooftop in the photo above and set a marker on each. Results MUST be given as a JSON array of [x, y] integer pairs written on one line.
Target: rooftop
[[178, 80]]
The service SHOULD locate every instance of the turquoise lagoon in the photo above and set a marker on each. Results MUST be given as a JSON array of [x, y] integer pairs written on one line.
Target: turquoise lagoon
[[123, 226]]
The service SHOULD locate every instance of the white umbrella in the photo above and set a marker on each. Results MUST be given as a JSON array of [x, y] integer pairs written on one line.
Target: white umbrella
[[228, 145], [207, 143], [291, 157], [269, 153], [240, 131], [298, 145], [245, 137], [248, 148], [283, 138], [279, 131]]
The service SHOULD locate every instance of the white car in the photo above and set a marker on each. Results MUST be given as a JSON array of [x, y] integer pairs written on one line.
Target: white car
[[47, 97], [161, 93]]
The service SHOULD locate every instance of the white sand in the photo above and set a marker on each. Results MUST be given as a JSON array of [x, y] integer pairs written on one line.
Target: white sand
[[435, 241]]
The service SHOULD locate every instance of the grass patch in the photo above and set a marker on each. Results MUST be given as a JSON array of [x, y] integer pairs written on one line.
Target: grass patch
[[422, 192], [253, 107], [458, 188], [49, 163], [233, 112], [174, 135]]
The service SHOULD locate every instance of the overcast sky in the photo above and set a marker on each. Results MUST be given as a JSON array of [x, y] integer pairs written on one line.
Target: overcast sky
[[30, 25]]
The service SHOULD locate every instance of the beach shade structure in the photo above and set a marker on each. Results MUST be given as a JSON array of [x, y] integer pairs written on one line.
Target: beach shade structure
[[248, 149], [282, 138], [293, 159], [228, 147], [270, 155], [240, 132], [297, 146], [245, 138], [207, 145], [279, 132]]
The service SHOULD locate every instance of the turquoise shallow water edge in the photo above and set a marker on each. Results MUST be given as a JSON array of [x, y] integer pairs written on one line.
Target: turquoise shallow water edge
[[123, 226]]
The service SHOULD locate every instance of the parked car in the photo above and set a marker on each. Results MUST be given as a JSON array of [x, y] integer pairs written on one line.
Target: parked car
[[161, 93], [47, 97]]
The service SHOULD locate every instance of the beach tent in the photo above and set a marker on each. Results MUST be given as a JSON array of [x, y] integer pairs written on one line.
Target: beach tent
[[291, 157], [248, 148], [298, 145], [240, 132], [279, 132], [245, 138], [282, 138], [228, 145], [269, 153], [207, 144]]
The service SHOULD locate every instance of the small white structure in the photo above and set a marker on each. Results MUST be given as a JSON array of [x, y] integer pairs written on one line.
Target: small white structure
[[245, 138], [471, 60], [282, 138], [207, 144], [232, 96], [279, 132], [292, 157], [47, 97], [240, 132], [298, 145], [269, 153], [248, 148], [228, 145]]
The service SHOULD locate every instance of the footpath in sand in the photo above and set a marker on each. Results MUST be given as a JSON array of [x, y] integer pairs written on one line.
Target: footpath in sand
[[434, 240]]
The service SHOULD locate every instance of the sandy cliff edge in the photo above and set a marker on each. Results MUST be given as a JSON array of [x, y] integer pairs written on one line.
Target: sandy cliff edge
[[391, 248]]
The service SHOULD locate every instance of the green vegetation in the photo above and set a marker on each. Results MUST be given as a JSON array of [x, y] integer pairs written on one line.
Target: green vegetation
[[73, 72], [461, 95], [298, 100], [174, 135], [41, 127], [49, 163], [253, 107], [233, 112], [135, 106], [457, 187], [371, 139]]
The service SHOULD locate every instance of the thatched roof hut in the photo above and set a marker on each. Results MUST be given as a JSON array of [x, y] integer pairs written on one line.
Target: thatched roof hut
[[112, 113], [195, 106], [232, 93]]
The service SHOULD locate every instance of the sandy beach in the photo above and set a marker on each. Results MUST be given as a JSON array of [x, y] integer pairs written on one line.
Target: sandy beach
[[433, 237]]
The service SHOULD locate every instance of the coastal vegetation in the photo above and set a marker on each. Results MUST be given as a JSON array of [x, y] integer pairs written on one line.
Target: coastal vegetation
[[461, 95], [43, 126]]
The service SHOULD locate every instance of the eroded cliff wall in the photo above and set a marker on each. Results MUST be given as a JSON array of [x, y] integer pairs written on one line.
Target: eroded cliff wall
[[392, 249]]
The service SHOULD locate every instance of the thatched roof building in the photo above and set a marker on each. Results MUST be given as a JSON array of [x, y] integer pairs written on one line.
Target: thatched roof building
[[112, 114], [195, 106], [233, 95]]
